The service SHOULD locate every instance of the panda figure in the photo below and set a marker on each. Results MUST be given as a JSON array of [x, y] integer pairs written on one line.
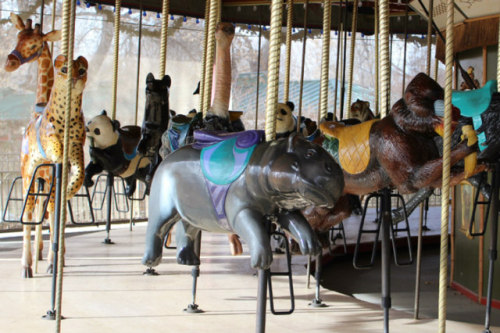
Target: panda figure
[[114, 149]]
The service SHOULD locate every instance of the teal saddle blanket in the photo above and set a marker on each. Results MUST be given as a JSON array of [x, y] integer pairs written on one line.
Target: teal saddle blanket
[[224, 157], [472, 103]]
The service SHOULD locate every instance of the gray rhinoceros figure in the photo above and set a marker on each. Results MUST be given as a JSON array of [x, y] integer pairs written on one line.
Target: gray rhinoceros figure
[[234, 189]]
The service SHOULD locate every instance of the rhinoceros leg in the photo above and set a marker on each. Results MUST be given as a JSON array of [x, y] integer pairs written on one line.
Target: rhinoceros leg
[[162, 215], [301, 231], [250, 226], [185, 238]]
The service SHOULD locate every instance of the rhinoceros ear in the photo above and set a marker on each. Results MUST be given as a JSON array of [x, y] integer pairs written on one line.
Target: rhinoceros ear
[[292, 139]]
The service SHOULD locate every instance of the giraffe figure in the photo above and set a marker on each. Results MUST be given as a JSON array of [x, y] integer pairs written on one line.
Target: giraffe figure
[[32, 45], [43, 143]]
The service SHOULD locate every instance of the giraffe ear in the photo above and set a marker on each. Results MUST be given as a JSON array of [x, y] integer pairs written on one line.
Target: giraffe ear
[[52, 36], [60, 61], [17, 21]]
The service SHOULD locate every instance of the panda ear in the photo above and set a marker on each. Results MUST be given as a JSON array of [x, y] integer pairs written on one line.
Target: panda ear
[[103, 113], [116, 125], [290, 105]]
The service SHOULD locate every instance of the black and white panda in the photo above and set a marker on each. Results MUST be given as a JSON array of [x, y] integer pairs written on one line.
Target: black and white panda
[[114, 149]]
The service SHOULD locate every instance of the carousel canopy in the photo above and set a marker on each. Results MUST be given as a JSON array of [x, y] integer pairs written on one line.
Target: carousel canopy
[[476, 23], [258, 12]]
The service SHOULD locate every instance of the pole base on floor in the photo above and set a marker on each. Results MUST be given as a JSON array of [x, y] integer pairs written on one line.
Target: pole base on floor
[[193, 308], [108, 241], [50, 315], [317, 303], [150, 271]]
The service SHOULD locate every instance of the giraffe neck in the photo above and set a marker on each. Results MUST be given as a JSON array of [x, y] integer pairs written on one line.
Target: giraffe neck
[[45, 76]]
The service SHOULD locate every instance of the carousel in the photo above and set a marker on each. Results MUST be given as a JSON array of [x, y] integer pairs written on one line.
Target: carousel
[[308, 119]]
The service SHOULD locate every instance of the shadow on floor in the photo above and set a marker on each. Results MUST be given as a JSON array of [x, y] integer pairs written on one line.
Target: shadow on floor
[[340, 275]]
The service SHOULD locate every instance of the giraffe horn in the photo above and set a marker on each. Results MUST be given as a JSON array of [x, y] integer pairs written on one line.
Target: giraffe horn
[[28, 24], [37, 28]]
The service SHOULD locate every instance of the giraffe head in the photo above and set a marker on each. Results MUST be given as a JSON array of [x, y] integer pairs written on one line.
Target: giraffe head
[[30, 43]]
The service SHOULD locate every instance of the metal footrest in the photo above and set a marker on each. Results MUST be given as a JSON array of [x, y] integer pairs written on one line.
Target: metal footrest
[[39, 194], [477, 203], [335, 233], [116, 194], [394, 230], [355, 261], [286, 273], [88, 200]]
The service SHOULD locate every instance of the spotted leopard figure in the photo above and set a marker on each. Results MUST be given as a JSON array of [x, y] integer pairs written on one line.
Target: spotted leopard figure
[[43, 143]]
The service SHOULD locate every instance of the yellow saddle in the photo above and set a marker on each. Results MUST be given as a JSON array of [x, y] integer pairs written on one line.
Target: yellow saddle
[[354, 144]]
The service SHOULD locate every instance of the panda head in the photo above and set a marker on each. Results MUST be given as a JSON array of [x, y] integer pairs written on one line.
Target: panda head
[[102, 131], [285, 121]]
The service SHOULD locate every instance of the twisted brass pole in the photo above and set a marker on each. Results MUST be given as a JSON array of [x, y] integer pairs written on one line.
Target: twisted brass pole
[[351, 55], [429, 36], [377, 69], [289, 24], [209, 65], [204, 56], [273, 69], [302, 67], [384, 57], [115, 57], [164, 37], [445, 190], [325, 60], [67, 50]]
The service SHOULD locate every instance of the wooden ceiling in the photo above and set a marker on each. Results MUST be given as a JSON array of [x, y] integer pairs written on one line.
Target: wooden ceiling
[[258, 12]]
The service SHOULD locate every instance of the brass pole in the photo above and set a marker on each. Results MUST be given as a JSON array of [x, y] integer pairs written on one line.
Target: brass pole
[[66, 49], [164, 37], [325, 60], [351, 58], [445, 190], [273, 69], [289, 24]]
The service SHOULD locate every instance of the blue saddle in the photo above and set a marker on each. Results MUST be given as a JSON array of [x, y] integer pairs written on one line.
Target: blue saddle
[[473, 103], [227, 157], [223, 158]]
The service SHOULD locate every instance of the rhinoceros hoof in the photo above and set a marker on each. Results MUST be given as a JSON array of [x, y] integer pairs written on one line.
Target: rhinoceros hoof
[[27, 272], [186, 256]]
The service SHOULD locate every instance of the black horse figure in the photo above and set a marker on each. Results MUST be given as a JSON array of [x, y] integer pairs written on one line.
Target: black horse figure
[[156, 118], [131, 152]]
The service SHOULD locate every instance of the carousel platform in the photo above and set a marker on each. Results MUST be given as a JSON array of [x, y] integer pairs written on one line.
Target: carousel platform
[[104, 290]]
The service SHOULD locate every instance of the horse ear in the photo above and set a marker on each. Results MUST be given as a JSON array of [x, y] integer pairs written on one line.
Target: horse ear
[[150, 77], [17, 21], [197, 91], [172, 113], [166, 80], [116, 125], [367, 104], [290, 105], [52, 36], [103, 113]]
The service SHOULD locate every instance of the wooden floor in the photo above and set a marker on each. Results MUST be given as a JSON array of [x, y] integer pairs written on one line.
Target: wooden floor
[[104, 290]]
